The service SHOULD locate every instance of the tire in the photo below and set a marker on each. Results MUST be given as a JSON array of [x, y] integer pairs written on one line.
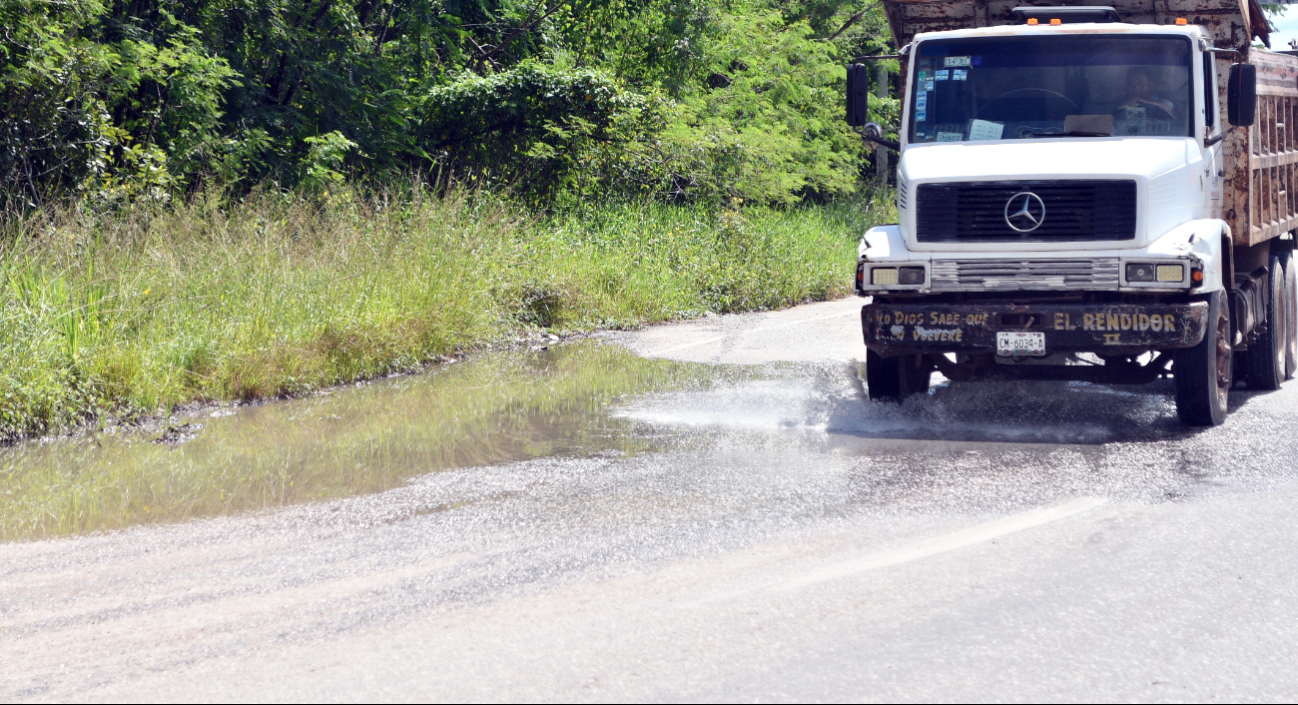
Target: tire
[[1203, 374], [1264, 365], [1291, 316], [895, 378]]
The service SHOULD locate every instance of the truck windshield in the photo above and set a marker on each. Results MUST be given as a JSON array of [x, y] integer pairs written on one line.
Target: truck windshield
[[999, 88]]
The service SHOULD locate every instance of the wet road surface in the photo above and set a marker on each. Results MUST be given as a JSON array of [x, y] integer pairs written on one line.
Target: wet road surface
[[733, 523]]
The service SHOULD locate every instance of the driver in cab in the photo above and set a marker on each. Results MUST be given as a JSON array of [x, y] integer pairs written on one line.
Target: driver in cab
[[1141, 101]]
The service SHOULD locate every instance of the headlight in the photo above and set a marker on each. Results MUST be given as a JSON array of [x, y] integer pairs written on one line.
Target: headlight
[[1153, 273], [1171, 273], [1140, 273], [883, 276], [897, 276], [911, 276]]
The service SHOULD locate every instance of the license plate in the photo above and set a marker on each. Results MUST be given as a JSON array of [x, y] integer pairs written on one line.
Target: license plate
[[1016, 343]]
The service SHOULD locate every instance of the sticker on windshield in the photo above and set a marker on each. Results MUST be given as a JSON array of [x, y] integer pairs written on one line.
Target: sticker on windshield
[[921, 115], [942, 75], [950, 137], [928, 85], [984, 130], [923, 75], [921, 100], [957, 61], [959, 74]]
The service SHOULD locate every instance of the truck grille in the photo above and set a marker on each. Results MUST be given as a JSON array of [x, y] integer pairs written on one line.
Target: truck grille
[[1074, 211], [1025, 275]]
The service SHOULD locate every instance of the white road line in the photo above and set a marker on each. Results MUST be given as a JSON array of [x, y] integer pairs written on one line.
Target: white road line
[[714, 339], [807, 320], [942, 544], [705, 341]]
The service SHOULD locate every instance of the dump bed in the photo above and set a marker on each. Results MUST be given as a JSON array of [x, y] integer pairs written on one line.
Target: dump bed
[[1232, 23], [1260, 195]]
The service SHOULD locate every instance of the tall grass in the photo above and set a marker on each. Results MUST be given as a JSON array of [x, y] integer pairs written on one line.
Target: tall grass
[[139, 310]]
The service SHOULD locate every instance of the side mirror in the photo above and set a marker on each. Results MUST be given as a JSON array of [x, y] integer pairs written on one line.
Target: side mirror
[[858, 94], [1241, 95]]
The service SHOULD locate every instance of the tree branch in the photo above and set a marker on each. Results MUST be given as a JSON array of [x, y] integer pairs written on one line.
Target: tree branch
[[525, 27], [851, 21]]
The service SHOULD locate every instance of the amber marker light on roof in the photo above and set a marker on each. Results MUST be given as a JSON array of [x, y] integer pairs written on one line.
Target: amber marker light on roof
[[1054, 21], [1180, 21], [1032, 20]]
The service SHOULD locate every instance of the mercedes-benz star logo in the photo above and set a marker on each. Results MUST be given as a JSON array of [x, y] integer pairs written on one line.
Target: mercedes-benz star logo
[[1025, 212]]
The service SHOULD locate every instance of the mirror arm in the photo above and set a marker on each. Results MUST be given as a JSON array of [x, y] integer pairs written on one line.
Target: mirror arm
[[875, 57], [1219, 137], [894, 146], [871, 132]]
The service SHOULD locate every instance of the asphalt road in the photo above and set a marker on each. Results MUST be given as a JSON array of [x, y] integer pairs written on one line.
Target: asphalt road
[[786, 541]]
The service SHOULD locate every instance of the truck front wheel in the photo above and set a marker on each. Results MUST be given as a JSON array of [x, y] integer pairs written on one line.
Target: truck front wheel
[[1203, 373], [895, 378]]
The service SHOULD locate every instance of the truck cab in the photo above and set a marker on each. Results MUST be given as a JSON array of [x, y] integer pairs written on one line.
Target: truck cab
[[1082, 197]]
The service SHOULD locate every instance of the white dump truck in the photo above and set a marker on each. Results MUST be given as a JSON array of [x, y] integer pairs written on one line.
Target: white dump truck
[[1085, 193]]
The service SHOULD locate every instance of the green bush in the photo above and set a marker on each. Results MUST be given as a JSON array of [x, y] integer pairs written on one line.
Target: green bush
[[766, 126], [91, 108], [682, 99], [520, 125]]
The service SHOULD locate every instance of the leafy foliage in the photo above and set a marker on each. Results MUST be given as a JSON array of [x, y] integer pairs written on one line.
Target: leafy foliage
[[687, 99], [528, 118]]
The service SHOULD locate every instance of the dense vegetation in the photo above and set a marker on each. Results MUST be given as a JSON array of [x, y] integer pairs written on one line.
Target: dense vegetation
[[558, 99], [230, 199]]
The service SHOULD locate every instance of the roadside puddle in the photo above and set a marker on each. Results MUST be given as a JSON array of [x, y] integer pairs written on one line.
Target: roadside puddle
[[576, 400], [493, 408]]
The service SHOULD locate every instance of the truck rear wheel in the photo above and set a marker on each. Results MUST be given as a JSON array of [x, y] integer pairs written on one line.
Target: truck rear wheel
[[1291, 315], [1264, 363], [1202, 374], [895, 378]]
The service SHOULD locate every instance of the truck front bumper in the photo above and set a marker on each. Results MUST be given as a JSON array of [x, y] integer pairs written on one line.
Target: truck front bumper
[[1104, 328]]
